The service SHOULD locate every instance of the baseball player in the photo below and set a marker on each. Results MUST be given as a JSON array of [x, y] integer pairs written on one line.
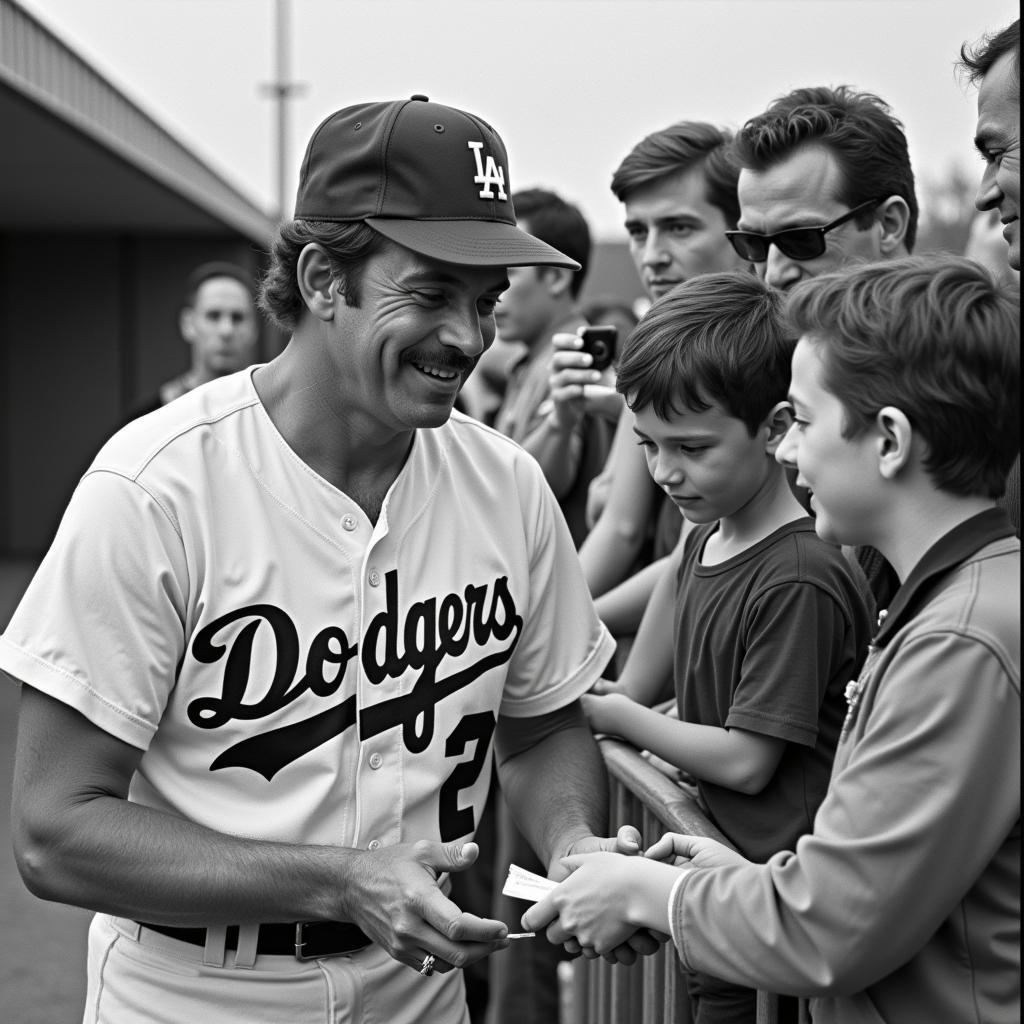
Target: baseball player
[[289, 620]]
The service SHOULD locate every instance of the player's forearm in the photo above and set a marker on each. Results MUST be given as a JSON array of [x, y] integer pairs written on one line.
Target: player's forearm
[[112, 856], [558, 791]]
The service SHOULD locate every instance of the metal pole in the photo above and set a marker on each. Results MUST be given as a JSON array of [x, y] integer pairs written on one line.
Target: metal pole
[[281, 90], [281, 84]]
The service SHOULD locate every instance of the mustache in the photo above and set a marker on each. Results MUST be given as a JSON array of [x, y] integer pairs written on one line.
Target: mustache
[[445, 360]]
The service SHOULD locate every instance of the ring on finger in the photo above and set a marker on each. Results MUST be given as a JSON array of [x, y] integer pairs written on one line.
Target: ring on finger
[[427, 967]]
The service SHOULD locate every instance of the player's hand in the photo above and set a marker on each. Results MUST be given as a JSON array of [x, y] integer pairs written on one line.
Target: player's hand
[[575, 387], [694, 852], [608, 905], [603, 711], [626, 842], [393, 895]]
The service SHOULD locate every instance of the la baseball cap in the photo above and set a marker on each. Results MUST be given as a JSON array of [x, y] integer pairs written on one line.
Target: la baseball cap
[[430, 177]]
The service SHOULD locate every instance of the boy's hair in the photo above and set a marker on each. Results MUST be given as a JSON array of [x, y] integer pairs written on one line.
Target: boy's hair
[[681, 147], [857, 128], [550, 218], [935, 337], [717, 338]]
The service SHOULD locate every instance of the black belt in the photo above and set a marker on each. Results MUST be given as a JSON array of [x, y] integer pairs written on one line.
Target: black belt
[[304, 940]]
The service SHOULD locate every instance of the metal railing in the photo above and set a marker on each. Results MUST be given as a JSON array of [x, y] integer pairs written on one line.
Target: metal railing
[[653, 990]]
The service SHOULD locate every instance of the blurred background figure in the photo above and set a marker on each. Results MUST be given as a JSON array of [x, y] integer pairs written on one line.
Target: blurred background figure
[[986, 245], [539, 303], [218, 322], [610, 309], [481, 396]]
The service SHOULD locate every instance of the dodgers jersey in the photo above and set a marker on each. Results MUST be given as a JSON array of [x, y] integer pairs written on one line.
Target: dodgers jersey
[[292, 671]]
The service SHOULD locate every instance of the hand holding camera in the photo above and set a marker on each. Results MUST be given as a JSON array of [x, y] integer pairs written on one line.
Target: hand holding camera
[[599, 343], [581, 379]]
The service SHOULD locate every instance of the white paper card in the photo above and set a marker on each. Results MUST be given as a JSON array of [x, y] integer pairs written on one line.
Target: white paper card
[[525, 885]]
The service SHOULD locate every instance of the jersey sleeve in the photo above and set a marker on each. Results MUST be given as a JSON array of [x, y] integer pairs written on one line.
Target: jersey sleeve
[[101, 625], [565, 646], [797, 638]]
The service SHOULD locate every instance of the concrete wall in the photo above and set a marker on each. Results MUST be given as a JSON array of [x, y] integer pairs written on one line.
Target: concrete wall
[[88, 328]]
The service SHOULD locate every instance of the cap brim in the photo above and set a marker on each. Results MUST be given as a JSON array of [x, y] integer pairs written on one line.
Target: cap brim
[[472, 243]]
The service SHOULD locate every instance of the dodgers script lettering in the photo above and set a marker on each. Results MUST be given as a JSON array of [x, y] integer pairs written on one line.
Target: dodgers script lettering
[[413, 646]]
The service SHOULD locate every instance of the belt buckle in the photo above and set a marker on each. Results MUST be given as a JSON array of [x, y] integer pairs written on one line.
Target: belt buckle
[[304, 933]]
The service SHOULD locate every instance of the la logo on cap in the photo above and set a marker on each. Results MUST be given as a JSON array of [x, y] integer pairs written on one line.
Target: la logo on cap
[[489, 174]]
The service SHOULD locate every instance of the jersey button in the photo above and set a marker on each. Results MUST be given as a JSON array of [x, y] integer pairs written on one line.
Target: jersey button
[[349, 523], [376, 760], [373, 844], [374, 578]]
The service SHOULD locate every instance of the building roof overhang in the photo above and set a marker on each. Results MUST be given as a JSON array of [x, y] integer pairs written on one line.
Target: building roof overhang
[[78, 155]]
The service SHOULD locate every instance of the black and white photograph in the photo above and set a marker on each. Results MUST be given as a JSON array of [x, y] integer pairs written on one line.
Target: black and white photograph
[[510, 512]]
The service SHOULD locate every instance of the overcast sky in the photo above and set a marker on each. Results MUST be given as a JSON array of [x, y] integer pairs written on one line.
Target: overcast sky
[[570, 85]]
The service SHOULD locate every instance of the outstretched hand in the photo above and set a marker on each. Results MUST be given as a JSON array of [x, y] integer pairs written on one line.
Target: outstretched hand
[[608, 905], [394, 896], [625, 843]]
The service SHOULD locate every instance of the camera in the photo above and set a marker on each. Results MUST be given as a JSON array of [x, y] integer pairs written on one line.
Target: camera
[[599, 341]]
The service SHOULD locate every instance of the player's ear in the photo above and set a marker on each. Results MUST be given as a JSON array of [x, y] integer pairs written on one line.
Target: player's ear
[[315, 281], [894, 218], [895, 441], [776, 424]]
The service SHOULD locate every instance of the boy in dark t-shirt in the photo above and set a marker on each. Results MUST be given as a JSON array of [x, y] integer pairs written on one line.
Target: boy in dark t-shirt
[[770, 622]]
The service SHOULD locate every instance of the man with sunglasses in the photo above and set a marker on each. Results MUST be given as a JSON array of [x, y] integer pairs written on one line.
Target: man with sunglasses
[[825, 181]]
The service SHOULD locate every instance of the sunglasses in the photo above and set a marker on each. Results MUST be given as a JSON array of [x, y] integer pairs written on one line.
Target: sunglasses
[[796, 243]]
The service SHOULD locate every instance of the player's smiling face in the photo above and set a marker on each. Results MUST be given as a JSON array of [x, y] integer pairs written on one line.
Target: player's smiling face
[[417, 334]]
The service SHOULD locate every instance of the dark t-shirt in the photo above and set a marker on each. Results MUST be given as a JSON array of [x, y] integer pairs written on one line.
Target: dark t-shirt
[[767, 641]]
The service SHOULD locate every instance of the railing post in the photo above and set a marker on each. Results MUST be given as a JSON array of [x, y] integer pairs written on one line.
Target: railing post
[[654, 990]]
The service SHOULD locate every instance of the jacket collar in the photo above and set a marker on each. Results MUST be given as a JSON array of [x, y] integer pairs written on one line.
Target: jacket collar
[[945, 554]]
